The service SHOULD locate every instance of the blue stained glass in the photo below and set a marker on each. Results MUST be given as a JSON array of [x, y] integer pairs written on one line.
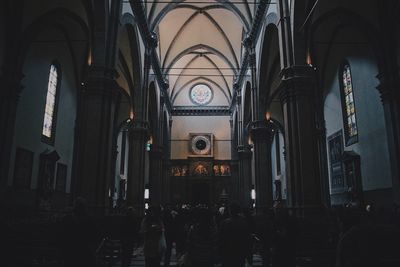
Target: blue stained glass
[[350, 110]]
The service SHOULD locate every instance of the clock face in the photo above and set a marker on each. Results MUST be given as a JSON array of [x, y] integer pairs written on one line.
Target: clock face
[[201, 94], [201, 145]]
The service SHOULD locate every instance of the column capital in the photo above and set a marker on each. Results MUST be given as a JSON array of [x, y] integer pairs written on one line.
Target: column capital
[[388, 87], [101, 81], [262, 130], [138, 132], [156, 153], [297, 81], [244, 152], [239, 99], [138, 124]]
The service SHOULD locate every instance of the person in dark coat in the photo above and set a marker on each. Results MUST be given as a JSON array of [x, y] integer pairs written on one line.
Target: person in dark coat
[[234, 239], [174, 233], [78, 237], [202, 240], [284, 240], [129, 236], [264, 232], [152, 228]]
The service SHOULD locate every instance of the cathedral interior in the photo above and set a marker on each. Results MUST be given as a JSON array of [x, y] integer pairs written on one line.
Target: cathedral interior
[[283, 104]]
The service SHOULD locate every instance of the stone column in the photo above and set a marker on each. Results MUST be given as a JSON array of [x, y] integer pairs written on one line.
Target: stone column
[[9, 95], [302, 167], [156, 176], [166, 188], [391, 106], [94, 154], [242, 185], [138, 136], [389, 85], [244, 181], [234, 189], [262, 134]]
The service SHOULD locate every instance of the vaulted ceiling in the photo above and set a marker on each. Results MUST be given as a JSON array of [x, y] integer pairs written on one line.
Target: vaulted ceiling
[[200, 41]]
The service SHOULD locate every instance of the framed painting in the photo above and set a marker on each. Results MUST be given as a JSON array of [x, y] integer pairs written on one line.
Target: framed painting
[[335, 150], [201, 168]]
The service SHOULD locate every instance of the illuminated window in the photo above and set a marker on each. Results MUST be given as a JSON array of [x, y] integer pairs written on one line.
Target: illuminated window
[[348, 105], [48, 130], [201, 94]]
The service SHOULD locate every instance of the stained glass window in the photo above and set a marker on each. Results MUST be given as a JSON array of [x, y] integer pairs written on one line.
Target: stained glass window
[[201, 94], [349, 109], [48, 121]]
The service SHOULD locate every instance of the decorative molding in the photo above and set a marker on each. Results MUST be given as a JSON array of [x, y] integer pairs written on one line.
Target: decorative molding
[[201, 111], [249, 42], [151, 42]]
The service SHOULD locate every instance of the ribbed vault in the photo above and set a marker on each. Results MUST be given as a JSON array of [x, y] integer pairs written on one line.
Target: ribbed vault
[[200, 41]]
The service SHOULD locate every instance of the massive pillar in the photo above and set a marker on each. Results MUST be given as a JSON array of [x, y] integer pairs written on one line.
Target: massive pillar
[[302, 167], [166, 189], [262, 135], [234, 191], [10, 85], [389, 86], [9, 95], [138, 136], [166, 182], [95, 137], [391, 105], [156, 176], [244, 185]]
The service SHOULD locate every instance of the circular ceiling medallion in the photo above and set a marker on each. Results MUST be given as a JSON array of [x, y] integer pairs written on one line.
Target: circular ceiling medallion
[[201, 145], [201, 94]]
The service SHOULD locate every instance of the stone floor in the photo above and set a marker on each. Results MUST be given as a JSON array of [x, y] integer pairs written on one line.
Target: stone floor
[[138, 260]]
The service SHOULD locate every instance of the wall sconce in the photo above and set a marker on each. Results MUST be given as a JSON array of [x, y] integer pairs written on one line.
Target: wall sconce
[[146, 194], [90, 58], [253, 194], [149, 143], [267, 115], [308, 59]]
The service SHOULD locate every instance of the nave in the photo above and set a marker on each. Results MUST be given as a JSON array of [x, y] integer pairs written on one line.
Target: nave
[[284, 106]]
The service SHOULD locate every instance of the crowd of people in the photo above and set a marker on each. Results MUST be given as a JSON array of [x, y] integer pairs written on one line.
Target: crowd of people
[[228, 236]]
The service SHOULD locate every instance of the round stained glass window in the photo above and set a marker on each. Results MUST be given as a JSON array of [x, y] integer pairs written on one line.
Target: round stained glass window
[[201, 94]]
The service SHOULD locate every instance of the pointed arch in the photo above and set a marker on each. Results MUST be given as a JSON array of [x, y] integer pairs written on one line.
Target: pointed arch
[[216, 25], [197, 79], [212, 63], [205, 47], [179, 4], [129, 23]]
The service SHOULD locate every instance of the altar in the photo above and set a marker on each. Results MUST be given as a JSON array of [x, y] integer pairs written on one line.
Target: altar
[[200, 181]]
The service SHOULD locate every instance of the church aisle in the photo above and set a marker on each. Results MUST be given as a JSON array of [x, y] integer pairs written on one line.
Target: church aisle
[[138, 260]]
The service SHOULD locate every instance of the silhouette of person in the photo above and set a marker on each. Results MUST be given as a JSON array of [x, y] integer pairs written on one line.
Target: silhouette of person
[[234, 239], [129, 236], [202, 240], [78, 237], [152, 227]]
